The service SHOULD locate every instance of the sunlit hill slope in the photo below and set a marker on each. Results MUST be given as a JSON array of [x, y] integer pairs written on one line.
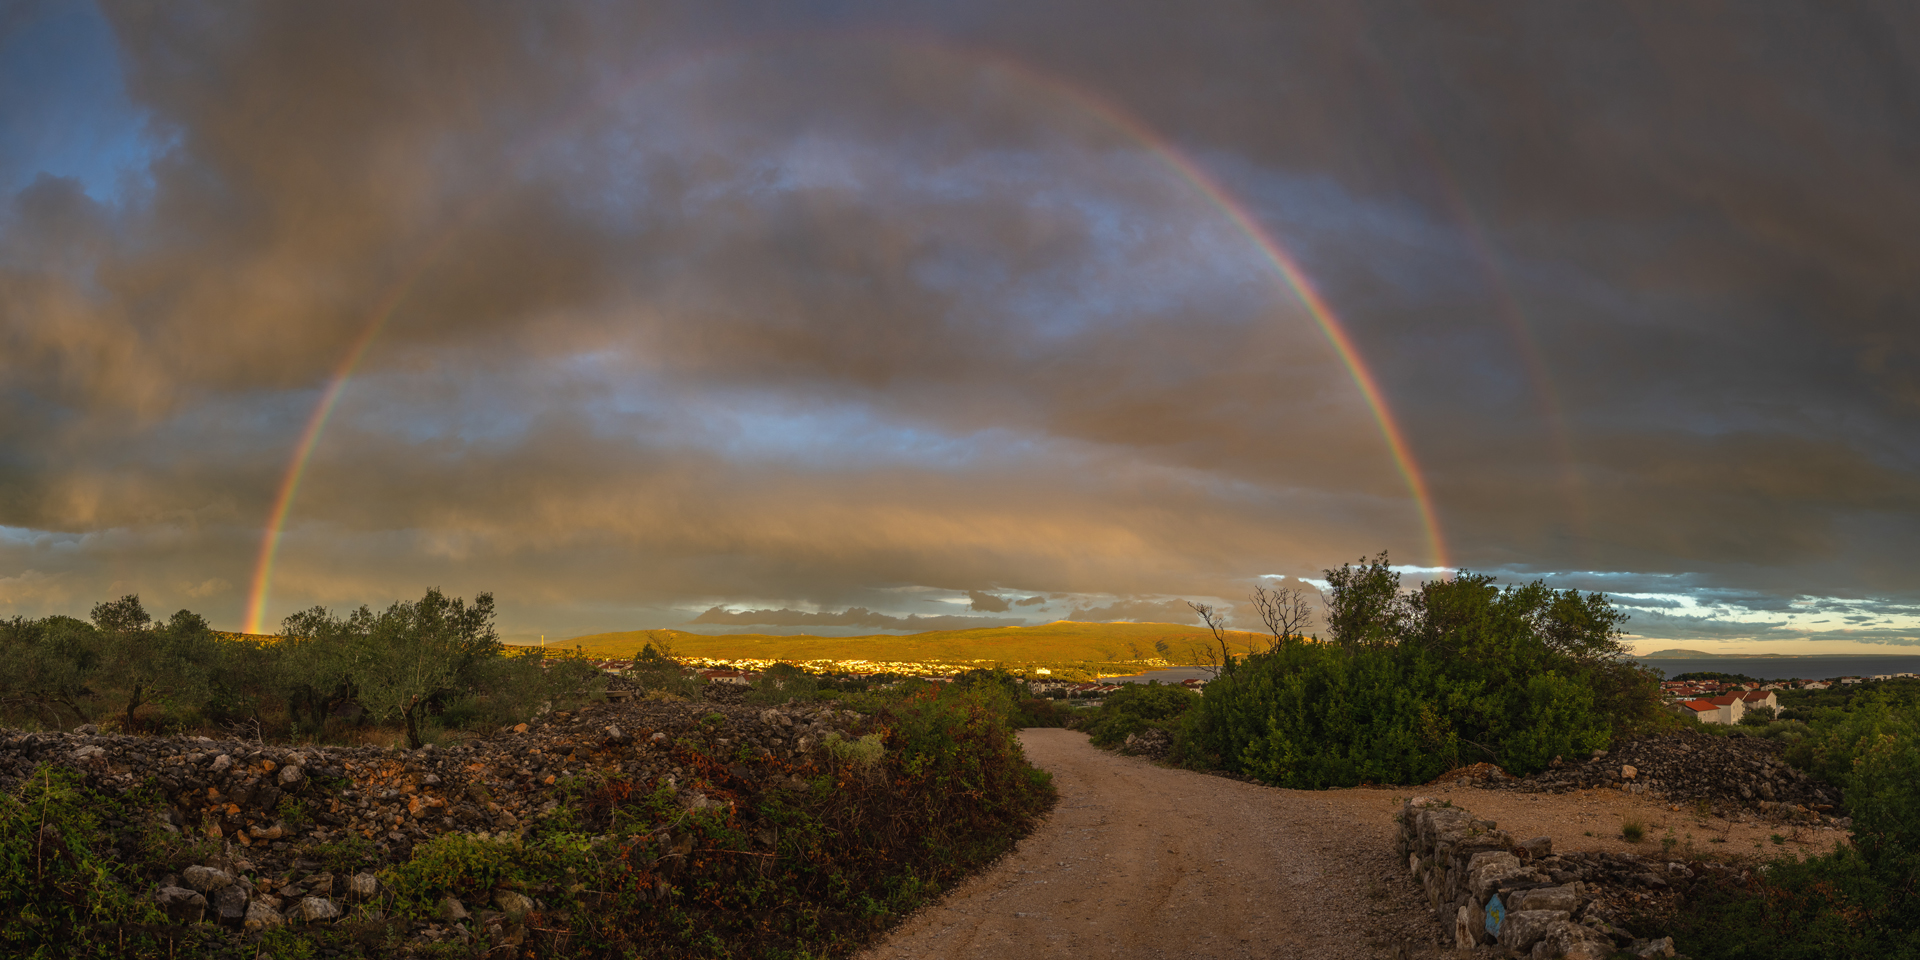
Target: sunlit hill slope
[[1060, 642]]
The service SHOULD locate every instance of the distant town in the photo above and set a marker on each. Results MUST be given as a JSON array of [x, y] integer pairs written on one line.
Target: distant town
[[1040, 681], [1727, 701]]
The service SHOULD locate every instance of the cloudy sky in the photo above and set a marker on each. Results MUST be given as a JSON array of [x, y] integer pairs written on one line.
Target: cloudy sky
[[839, 317]]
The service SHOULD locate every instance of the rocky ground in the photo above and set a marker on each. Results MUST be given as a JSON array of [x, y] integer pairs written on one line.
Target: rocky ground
[[295, 833], [1688, 767]]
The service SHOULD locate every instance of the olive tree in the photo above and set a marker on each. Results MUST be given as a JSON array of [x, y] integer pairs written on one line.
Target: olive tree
[[166, 662], [50, 665], [397, 661]]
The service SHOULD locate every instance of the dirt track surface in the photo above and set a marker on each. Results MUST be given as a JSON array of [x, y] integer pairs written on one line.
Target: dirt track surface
[[1143, 861]]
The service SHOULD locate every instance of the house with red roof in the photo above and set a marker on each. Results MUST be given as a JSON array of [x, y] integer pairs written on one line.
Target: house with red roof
[[1705, 711], [1727, 708]]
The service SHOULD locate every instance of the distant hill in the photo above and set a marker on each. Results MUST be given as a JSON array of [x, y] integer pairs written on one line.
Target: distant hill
[[1063, 641], [1683, 655]]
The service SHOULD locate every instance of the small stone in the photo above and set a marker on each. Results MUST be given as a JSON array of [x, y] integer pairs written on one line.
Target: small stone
[[1628, 772], [452, 910], [1545, 898], [1537, 848], [205, 879], [363, 885], [1523, 928], [519, 728], [230, 903], [513, 903], [89, 751], [315, 909], [1465, 936], [291, 775], [1488, 870], [261, 915], [86, 729], [221, 763], [180, 904], [1662, 947]]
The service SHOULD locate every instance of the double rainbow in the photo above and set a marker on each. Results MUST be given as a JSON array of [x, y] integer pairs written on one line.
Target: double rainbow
[[1286, 269]]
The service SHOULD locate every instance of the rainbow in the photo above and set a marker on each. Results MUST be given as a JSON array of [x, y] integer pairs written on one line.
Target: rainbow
[[1288, 270]]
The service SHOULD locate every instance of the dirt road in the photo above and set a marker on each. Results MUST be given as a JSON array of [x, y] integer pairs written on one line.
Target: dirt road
[[1142, 861]]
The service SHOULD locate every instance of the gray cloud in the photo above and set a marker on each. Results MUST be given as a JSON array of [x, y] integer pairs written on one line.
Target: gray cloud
[[984, 602], [1148, 611], [851, 617]]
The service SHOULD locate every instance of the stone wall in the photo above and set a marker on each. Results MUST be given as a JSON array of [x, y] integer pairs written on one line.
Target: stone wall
[[1543, 906], [263, 810], [1690, 766]]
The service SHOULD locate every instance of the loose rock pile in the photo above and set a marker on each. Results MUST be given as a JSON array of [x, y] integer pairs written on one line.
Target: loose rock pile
[[270, 808], [1153, 743], [1692, 766], [1546, 905]]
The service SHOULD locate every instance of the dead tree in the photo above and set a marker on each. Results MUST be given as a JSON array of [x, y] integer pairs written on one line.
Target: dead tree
[[1285, 611], [1216, 621]]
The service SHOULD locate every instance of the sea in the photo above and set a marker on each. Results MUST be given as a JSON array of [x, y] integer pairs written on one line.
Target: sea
[[1823, 667], [1169, 675]]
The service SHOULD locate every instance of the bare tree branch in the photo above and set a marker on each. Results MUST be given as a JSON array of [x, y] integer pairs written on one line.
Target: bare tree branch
[[1216, 621], [1285, 611]]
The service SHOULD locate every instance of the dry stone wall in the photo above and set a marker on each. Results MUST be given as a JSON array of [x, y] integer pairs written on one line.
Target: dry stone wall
[[264, 809], [1499, 896], [1728, 772]]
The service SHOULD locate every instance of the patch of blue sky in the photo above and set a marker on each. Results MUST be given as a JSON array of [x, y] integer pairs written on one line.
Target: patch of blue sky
[[28, 537], [765, 426], [835, 436], [64, 110], [1156, 246]]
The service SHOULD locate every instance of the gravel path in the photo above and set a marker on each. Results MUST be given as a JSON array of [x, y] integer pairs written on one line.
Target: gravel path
[[1143, 861]]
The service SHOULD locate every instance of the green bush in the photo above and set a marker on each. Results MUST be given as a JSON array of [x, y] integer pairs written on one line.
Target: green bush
[[64, 887], [1411, 685], [782, 683], [934, 787], [1135, 707], [1037, 712], [1861, 900]]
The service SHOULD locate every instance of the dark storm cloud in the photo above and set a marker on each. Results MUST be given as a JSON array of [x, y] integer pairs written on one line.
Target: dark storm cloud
[[984, 602], [851, 617], [738, 304], [1151, 611]]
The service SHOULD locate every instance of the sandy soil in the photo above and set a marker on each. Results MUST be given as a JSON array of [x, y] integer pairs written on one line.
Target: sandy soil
[[1592, 819], [1144, 861]]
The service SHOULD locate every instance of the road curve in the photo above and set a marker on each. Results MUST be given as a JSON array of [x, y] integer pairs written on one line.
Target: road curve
[[1143, 861]]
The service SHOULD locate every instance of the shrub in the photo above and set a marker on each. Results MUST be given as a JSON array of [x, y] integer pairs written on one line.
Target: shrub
[[64, 888], [1135, 707], [862, 753], [1038, 712], [782, 683], [1856, 901], [1413, 686]]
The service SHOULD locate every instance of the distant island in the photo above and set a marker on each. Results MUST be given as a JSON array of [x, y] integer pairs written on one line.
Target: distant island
[[1700, 655]]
